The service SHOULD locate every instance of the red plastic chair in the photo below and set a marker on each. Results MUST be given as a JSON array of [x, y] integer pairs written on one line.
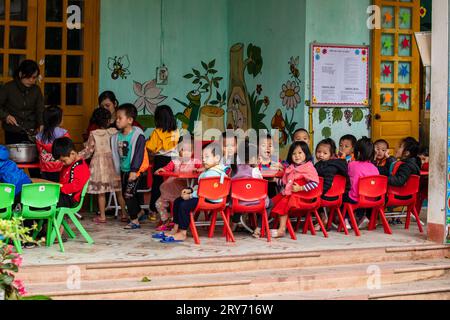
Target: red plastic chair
[[336, 192], [250, 190], [211, 188], [410, 190], [309, 203], [423, 191], [372, 195]]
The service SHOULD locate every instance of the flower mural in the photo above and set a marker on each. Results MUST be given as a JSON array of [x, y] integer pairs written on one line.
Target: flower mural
[[149, 96], [290, 95]]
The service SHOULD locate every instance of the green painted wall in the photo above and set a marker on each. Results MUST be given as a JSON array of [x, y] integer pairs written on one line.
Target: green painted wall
[[198, 30], [194, 30], [341, 22]]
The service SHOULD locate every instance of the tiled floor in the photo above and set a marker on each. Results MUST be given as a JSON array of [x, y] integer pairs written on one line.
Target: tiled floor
[[114, 244]]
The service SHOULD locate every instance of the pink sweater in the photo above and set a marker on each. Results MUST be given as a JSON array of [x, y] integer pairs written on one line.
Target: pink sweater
[[356, 171]]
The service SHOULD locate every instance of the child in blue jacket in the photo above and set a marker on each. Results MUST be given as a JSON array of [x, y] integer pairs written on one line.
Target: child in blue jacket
[[10, 173]]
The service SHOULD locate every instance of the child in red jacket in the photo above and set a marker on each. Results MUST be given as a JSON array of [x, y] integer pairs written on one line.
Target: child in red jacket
[[74, 174]]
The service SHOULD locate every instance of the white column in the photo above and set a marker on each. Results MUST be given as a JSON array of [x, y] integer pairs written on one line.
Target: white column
[[439, 123]]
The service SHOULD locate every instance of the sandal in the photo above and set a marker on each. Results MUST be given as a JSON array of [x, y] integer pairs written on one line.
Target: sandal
[[159, 235], [97, 220], [132, 226], [170, 240]]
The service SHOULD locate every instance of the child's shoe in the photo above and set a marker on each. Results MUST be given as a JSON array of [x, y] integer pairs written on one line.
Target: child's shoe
[[152, 216]]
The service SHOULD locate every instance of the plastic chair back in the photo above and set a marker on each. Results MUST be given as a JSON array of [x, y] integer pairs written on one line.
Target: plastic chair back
[[39, 200], [336, 192], [7, 192], [250, 191], [213, 189], [408, 192], [372, 191], [307, 200]]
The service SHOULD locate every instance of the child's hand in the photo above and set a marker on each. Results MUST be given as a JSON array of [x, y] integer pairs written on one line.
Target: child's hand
[[132, 177], [161, 170], [296, 187], [277, 166], [387, 155], [200, 170]]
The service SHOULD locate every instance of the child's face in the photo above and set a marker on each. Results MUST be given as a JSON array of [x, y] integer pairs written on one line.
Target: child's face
[[380, 151], [229, 148], [266, 149], [185, 151], [323, 153], [302, 136], [209, 159], [346, 147], [401, 152], [122, 121], [71, 158], [298, 156], [424, 158]]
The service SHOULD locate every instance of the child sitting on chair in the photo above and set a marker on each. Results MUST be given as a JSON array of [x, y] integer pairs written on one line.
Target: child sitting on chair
[[11, 174], [212, 156], [74, 174], [172, 187]]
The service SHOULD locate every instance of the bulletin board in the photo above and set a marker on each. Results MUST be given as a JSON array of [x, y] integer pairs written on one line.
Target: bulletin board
[[339, 75]]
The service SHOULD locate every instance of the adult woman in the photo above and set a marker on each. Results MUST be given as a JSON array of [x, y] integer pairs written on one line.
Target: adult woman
[[21, 103], [107, 100]]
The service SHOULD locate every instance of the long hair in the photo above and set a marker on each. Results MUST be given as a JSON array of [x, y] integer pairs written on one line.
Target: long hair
[[305, 149], [52, 118], [412, 146], [164, 119], [108, 95], [364, 150]]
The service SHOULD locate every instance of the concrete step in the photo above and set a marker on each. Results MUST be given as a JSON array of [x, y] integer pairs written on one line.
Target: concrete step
[[229, 264], [250, 283], [438, 289]]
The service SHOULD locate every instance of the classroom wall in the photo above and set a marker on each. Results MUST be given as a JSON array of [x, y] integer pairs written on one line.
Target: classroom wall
[[202, 30], [336, 22]]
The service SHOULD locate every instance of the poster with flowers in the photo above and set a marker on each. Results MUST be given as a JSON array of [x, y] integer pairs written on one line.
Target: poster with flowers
[[339, 76]]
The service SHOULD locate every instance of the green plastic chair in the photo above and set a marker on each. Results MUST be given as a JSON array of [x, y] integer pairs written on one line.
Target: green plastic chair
[[39, 202], [7, 192], [71, 213]]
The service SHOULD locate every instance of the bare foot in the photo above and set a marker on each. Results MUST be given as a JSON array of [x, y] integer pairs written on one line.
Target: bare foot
[[179, 236], [277, 234]]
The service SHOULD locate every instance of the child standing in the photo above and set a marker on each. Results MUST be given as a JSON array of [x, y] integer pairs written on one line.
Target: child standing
[[383, 161], [130, 159], [212, 156], [301, 169], [52, 119], [163, 146], [74, 174], [347, 148], [172, 187], [104, 178], [360, 168]]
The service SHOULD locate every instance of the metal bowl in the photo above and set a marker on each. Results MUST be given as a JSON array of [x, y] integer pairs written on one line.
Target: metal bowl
[[23, 152]]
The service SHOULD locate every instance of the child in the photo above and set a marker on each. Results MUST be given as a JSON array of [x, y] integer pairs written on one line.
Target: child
[[266, 161], [163, 145], [11, 174], [248, 169], [302, 135], [172, 187], [74, 174], [230, 149], [383, 161], [300, 168], [52, 119], [347, 148], [107, 100], [360, 168], [130, 159], [212, 157], [424, 156], [409, 163], [104, 178]]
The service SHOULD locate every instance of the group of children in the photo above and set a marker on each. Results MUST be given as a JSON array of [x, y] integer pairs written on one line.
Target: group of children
[[119, 156]]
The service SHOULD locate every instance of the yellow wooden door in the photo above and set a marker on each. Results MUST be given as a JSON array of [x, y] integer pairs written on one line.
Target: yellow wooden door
[[68, 58], [396, 72]]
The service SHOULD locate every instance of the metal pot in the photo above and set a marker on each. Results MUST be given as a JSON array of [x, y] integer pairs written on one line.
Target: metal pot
[[23, 152]]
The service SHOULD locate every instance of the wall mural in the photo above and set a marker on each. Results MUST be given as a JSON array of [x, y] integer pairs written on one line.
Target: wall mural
[[149, 97], [211, 113], [119, 67], [240, 103], [290, 97], [330, 117]]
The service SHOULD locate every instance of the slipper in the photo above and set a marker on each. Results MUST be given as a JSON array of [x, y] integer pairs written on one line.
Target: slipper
[[132, 226], [98, 220], [170, 240], [159, 235]]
